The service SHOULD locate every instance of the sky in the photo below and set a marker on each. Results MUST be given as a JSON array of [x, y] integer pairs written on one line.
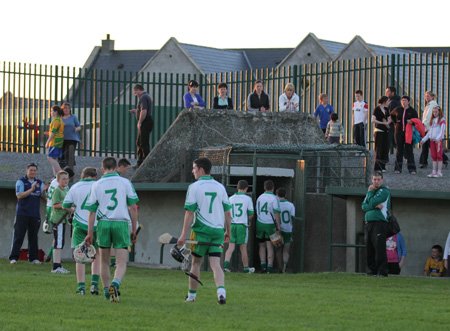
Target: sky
[[65, 32]]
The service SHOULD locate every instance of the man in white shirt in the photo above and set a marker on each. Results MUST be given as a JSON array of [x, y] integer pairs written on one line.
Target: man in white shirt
[[359, 118]]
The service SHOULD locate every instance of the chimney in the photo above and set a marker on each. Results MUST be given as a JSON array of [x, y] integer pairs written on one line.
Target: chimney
[[107, 45]]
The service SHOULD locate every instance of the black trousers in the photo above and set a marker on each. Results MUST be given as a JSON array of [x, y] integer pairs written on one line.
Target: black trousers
[[143, 140], [404, 149], [22, 224], [376, 247], [391, 137], [64, 160], [359, 134], [394, 268], [381, 150]]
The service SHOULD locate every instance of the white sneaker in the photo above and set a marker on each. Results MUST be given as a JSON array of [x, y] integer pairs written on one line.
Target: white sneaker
[[189, 300], [35, 262], [226, 270], [13, 262], [60, 270], [251, 270]]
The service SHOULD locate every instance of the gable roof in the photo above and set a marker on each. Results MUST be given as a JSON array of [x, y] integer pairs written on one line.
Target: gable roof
[[129, 60], [261, 58], [333, 47], [427, 49], [212, 60]]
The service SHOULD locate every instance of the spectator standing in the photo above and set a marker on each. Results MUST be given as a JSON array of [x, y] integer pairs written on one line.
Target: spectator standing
[[242, 215], [55, 140], [289, 100], [222, 101], [447, 253], [29, 192], [207, 218], [143, 113], [323, 111], [376, 205], [436, 132], [258, 99], [393, 102], [396, 253], [359, 118], [335, 130], [71, 137], [382, 121], [268, 222], [402, 116], [192, 99], [435, 264]]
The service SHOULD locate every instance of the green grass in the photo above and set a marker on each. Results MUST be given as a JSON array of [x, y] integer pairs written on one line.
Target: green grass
[[34, 299]]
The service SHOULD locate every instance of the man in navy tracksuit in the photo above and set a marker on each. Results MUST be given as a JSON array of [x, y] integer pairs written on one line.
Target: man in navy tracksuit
[[29, 191], [377, 205]]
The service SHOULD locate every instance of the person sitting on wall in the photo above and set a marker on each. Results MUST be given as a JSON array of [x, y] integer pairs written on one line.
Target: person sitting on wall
[[258, 99], [222, 101], [192, 99]]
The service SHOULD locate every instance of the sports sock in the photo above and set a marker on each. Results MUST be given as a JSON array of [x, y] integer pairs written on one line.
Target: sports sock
[[113, 259], [81, 286], [192, 294], [50, 254], [116, 282], [221, 291], [269, 268], [94, 280], [106, 292], [56, 265], [263, 265], [246, 269], [226, 265]]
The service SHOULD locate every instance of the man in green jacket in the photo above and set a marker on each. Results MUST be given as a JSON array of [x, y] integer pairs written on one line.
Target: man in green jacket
[[377, 205]]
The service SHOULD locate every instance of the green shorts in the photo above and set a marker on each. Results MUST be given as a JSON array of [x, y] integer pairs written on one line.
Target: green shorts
[[239, 234], [78, 236], [264, 231], [287, 237], [202, 250], [115, 233]]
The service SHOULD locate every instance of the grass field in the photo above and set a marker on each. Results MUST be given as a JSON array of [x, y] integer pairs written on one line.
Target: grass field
[[34, 299]]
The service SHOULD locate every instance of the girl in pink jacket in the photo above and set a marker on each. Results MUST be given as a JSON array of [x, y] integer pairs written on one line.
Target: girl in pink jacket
[[436, 133]]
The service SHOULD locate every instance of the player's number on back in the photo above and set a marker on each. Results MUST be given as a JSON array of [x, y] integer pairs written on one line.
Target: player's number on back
[[239, 210], [285, 216], [263, 209], [213, 195], [113, 198]]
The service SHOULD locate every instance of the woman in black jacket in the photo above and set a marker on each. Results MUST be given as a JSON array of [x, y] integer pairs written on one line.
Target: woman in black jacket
[[222, 101]]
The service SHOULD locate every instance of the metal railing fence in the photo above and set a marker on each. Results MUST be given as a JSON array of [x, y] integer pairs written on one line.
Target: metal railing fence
[[101, 98]]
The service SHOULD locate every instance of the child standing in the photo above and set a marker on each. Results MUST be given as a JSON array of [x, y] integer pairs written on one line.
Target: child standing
[[435, 264], [56, 139], [334, 130], [58, 219], [324, 110], [436, 133]]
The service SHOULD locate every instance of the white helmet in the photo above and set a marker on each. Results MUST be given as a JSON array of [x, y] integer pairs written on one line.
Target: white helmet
[[84, 253], [46, 227]]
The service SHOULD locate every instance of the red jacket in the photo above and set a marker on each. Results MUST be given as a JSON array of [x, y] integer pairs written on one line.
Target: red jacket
[[409, 130]]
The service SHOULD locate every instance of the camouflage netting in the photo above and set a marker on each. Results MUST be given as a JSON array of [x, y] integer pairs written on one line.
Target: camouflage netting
[[197, 129]]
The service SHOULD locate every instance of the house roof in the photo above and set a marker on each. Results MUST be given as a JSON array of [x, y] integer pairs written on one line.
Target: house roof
[[333, 47], [129, 60], [427, 49], [382, 50], [212, 60], [261, 58]]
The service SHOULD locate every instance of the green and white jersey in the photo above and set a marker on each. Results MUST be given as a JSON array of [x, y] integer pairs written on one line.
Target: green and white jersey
[[50, 191], [209, 200], [242, 208], [110, 198], [287, 215], [78, 195], [266, 206]]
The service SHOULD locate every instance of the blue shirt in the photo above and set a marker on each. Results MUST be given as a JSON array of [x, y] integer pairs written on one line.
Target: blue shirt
[[188, 99], [70, 124], [30, 205], [324, 114]]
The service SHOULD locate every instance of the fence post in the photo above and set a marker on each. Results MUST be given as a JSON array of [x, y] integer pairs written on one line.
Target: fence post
[[392, 69]]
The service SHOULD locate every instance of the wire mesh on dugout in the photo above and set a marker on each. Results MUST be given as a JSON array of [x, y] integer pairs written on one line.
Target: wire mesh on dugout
[[328, 165]]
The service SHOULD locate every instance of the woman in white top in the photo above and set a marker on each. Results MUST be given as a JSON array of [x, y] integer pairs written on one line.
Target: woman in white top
[[289, 100]]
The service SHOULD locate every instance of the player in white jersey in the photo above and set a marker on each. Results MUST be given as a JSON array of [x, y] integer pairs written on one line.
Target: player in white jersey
[[207, 202], [109, 200], [268, 222], [74, 203], [287, 216], [51, 188], [242, 212]]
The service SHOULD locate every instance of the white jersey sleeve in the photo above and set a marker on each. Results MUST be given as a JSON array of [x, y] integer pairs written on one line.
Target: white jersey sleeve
[[78, 195]]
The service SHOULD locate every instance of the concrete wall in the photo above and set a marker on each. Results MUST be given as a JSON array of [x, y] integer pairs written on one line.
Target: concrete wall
[[423, 223]]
